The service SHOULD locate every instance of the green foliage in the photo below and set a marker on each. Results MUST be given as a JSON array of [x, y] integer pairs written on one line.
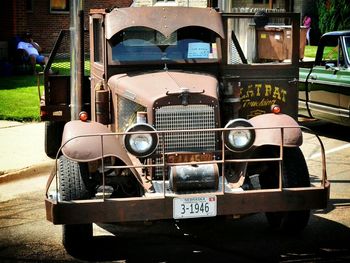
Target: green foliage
[[333, 15]]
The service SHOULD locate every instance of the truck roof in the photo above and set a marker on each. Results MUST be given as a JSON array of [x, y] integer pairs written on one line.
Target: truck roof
[[165, 20]]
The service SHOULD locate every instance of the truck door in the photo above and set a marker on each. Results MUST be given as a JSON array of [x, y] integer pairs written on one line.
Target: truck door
[[260, 63]]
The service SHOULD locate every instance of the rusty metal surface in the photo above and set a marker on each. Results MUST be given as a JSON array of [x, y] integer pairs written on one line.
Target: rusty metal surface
[[157, 84], [87, 145], [163, 19], [264, 84], [159, 205], [259, 92], [275, 42], [291, 136], [272, 44], [118, 210]]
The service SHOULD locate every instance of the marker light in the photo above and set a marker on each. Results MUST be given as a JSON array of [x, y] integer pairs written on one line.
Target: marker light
[[83, 116], [275, 109]]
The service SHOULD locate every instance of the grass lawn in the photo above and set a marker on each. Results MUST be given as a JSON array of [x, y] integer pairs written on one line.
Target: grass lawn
[[310, 51], [19, 99], [330, 53]]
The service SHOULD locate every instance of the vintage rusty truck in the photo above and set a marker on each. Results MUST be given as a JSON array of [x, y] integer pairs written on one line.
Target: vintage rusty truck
[[175, 123], [324, 84]]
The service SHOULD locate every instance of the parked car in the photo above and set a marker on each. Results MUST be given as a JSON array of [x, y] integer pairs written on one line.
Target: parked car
[[324, 86]]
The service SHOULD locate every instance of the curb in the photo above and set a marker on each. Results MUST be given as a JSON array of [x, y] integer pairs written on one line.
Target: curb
[[27, 172]]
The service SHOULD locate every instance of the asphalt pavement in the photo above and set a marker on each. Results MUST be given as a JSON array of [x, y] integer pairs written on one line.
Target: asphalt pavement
[[22, 150]]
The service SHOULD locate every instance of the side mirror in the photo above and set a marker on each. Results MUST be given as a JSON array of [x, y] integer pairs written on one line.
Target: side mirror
[[330, 66]]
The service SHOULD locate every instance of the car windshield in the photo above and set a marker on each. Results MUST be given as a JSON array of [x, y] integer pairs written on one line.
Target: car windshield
[[139, 44]]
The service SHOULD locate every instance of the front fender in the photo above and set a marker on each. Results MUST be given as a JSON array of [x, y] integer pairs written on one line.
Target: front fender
[[292, 137], [82, 142]]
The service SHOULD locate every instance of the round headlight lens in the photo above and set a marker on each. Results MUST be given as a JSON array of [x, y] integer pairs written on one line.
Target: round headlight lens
[[142, 143], [239, 139]]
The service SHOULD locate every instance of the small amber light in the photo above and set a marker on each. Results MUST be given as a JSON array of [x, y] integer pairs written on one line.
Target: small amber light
[[275, 109], [83, 116]]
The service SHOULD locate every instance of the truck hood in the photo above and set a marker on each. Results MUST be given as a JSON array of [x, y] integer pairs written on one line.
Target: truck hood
[[146, 88]]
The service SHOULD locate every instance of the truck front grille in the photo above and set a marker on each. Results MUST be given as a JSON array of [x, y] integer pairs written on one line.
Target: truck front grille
[[179, 117]]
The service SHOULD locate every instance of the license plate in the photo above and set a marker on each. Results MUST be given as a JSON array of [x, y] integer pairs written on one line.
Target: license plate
[[194, 207], [189, 157]]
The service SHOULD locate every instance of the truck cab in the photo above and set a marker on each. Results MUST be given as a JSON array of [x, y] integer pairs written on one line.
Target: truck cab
[[172, 129]]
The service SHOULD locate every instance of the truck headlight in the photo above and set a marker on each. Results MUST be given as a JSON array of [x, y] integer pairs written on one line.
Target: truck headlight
[[239, 139], [141, 144]]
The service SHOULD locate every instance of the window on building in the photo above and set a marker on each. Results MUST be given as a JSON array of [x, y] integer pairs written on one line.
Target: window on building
[[29, 5], [59, 6], [98, 40]]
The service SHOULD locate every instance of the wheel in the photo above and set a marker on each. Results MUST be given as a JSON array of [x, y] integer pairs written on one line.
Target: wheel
[[53, 137], [295, 174], [73, 187]]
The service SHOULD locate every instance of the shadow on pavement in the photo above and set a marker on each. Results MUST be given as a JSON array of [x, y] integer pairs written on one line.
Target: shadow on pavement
[[327, 129], [247, 239]]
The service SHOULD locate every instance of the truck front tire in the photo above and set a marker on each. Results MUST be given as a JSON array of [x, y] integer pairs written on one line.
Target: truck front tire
[[72, 187], [295, 174]]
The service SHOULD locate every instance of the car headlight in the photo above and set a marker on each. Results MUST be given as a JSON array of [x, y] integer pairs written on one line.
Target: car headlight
[[141, 144], [239, 139]]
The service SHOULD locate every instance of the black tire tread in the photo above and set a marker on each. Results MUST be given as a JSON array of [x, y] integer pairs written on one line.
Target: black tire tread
[[75, 238]]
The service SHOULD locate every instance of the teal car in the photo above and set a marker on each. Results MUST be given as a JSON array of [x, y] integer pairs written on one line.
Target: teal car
[[324, 86]]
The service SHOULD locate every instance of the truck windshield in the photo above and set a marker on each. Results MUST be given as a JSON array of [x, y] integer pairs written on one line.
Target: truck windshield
[[139, 44]]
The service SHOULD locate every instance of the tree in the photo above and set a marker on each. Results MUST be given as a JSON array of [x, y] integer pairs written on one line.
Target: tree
[[333, 15]]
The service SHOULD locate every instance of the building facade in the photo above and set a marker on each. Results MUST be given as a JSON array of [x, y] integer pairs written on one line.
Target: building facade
[[46, 18], [43, 18]]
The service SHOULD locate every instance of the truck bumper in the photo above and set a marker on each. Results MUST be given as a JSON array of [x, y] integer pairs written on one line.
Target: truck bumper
[[157, 208]]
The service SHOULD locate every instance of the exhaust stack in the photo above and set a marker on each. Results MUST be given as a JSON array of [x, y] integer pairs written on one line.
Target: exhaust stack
[[77, 56], [225, 6]]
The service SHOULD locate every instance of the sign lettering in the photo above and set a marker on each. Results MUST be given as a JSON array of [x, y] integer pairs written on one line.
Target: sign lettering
[[263, 92]]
